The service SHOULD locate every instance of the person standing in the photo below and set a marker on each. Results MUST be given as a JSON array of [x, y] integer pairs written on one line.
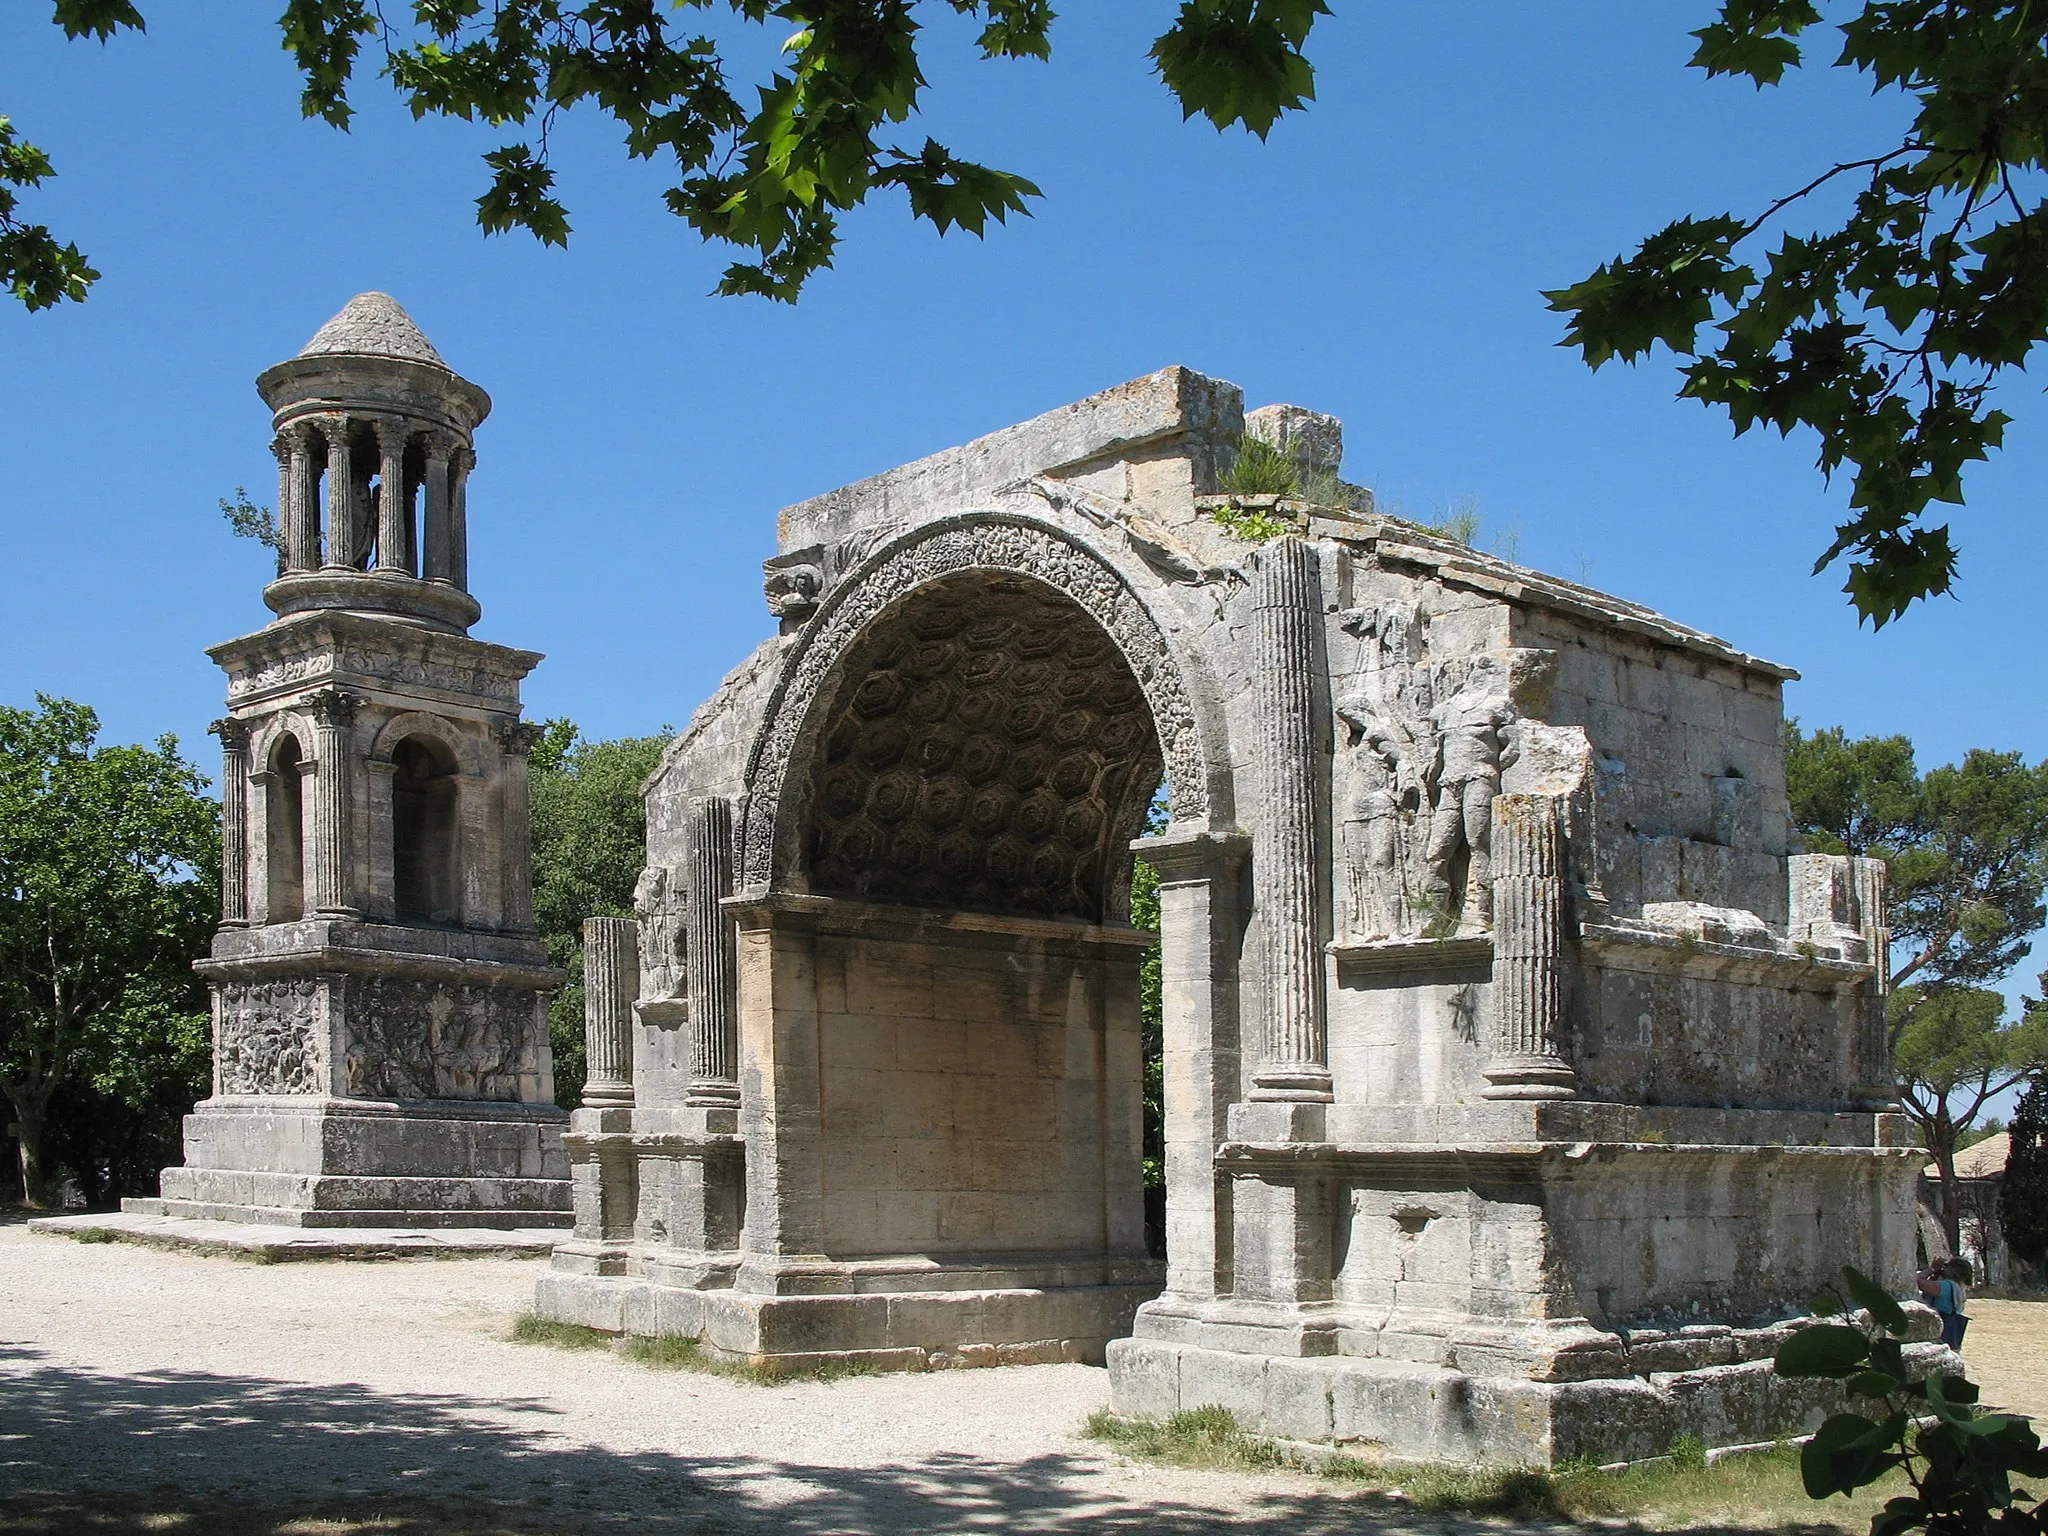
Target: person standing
[[1946, 1287]]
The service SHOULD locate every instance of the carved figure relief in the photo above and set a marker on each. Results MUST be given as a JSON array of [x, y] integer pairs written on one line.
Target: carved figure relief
[[266, 1041], [426, 1040], [662, 904], [1423, 747]]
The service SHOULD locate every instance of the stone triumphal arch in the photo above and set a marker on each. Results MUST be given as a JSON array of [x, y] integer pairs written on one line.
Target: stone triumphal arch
[[1520, 1077]]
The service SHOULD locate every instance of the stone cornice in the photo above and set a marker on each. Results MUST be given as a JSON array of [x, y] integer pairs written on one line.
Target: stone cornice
[[316, 650]]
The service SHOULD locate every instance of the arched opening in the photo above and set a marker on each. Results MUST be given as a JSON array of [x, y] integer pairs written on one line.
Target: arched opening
[[285, 833], [423, 840], [984, 759]]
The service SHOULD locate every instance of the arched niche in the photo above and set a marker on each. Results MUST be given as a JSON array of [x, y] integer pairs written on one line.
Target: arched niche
[[285, 829], [424, 830]]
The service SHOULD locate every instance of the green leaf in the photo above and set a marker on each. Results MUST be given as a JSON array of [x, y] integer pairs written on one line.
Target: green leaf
[[1875, 1300], [1826, 1349], [1847, 1452], [1873, 1384], [1825, 1302], [1239, 61]]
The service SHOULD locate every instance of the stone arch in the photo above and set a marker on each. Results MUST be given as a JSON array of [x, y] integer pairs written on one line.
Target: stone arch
[[286, 876], [992, 547], [461, 747]]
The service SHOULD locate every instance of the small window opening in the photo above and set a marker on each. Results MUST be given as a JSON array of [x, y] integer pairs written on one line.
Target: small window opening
[[286, 834]]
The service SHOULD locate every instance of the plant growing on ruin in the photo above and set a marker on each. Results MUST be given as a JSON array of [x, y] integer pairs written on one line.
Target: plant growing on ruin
[[1260, 468], [1960, 1460]]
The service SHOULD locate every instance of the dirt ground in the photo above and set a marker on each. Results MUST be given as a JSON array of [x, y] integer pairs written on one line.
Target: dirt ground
[[133, 1379], [2006, 1350]]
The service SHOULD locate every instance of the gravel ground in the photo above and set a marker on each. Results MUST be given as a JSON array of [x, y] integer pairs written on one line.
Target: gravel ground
[[126, 1371], [362, 1387]]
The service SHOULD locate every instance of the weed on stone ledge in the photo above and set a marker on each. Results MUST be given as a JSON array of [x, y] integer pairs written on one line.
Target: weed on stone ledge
[[1759, 1489]]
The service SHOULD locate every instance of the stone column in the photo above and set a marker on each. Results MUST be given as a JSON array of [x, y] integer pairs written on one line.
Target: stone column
[[341, 482], [714, 1027], [234, 821], [394, 507], [435, 552], [611, 980], [1526, 1061], [1293, 1049], [516, 738], [458, 515], [333, 893], [298, 506]]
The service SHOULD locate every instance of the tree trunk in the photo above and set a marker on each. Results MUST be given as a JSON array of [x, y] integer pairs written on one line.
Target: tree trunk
[[35, 1190], [1942, 1144]]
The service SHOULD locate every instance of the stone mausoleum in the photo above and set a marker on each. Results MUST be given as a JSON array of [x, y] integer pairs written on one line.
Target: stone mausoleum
[[379, 995], [1521, 1077]]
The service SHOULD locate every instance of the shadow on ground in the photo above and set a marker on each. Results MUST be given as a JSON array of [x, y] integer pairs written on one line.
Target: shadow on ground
[[239, 1456]]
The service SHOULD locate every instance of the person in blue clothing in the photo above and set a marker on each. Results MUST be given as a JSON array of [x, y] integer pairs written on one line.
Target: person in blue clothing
[[1946, 1287]]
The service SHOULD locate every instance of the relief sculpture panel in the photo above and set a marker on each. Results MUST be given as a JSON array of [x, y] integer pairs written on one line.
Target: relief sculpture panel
[[429, 1040], [266, 1040]]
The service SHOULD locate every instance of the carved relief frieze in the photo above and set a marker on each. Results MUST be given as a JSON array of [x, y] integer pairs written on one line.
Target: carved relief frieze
[[383, 666], [411, 1039], [267, 1038], [661, 901]]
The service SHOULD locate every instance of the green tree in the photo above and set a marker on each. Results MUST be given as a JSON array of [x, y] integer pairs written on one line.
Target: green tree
[[2023, 1192], [109, 889], [1966, 849], [589, 844], [1957, 1051], [771, 181], [1882, 333]]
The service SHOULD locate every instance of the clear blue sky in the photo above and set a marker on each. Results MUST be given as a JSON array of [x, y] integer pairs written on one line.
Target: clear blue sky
[[1378, 258]]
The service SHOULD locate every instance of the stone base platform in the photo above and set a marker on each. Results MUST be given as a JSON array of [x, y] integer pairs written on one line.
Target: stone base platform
[[274, 1244], [1415, 1411], [888, 1331], [317, 1162]]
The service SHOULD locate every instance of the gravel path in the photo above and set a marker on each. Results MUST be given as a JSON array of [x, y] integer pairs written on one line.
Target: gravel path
[[126, 1370]]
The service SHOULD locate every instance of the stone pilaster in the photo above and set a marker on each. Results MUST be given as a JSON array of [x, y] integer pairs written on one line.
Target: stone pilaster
[[1526, 1061], [234, 821], [1293, 1048], [394, 506], [435, 552], [611, 979], [333, 712], [516, 738], [458, 516], [714, 1027], [341, 482]]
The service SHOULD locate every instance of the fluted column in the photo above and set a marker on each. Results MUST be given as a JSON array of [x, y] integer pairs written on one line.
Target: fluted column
[[458, 516], [516, 739], [714, 1025], [333, 795], [1526, 1061], [611, 980], [435, 550], [394, 507], [1287, 615], [298, 506], [341, 492], [234, 821]]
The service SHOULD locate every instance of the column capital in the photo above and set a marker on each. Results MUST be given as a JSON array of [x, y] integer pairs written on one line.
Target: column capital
[[334, 706], [233, 733], [282, 447], [464, 457], [392, 430], [516, 738], [441, 443], [335, 428]]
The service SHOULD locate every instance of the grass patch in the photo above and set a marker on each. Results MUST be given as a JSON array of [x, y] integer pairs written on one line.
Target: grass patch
[[668, 1353], [528, 1329], [1759, 1490], [93, 1235]]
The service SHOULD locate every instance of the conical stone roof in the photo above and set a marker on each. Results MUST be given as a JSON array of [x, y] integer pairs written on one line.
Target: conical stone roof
[[372, 325]]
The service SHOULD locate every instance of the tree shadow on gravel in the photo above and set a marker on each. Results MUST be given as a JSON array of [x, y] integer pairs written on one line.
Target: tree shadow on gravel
[[101, 1455]]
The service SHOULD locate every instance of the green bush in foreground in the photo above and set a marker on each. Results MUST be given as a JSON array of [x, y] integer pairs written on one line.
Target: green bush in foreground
[[1959, 1460]]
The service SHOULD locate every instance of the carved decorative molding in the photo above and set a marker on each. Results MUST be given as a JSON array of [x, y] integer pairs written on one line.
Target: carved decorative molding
[[267, 1040], [977, 542]]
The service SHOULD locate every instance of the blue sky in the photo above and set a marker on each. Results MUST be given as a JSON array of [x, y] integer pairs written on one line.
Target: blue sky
[[1379, 258]]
